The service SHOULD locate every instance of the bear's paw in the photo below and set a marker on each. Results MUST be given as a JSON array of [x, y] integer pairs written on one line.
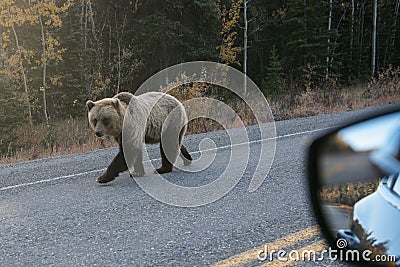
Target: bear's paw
[[136, 174], [105, 179]]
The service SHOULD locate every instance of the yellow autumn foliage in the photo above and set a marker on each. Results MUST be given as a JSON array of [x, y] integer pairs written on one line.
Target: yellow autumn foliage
[[230, 18]]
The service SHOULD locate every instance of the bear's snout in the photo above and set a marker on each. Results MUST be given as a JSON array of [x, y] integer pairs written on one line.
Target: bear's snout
[[99, 133]]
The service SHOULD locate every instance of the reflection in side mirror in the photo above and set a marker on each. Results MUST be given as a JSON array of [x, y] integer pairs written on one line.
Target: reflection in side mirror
[[355, 187]]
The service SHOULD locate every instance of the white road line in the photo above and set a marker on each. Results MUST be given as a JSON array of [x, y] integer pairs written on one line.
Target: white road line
[[48, 180], [194, 152]]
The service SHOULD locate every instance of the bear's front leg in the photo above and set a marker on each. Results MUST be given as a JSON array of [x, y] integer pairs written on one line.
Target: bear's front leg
[[138, 165], [117, 165]]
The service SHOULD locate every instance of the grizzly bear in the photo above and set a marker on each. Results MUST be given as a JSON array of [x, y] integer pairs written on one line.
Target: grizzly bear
[[148, 124]]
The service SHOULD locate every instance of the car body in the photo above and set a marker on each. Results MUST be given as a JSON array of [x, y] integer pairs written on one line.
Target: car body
[[387, 159], [378, 215]]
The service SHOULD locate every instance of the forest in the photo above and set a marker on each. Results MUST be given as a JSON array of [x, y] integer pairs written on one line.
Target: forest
[[56, 54]]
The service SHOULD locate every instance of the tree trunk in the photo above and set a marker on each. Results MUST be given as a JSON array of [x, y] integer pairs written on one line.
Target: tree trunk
[[394, 27], [44, 74], [91, 17], [361, 39], [24, 79], [374, 40], [85, 27], [119, 35], [305, 30], [351, 39], [329, 39], [246, 27], [119, 67], [109, 42]]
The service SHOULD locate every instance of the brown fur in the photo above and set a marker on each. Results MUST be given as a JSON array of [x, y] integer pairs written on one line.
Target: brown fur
[[106, 118]]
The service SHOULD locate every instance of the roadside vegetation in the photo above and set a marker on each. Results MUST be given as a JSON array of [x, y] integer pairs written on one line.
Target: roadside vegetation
[[73, 134], [347, 195], [54, 55]]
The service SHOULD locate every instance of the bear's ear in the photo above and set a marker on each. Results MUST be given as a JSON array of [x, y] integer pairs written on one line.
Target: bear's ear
[[116, 103], [89, 104]]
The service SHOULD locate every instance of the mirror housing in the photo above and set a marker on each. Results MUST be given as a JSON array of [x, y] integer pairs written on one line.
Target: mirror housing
[[354, 185]]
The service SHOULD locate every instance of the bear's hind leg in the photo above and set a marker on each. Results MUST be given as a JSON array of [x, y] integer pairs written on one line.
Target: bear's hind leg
[[166, 165], [186, 157]]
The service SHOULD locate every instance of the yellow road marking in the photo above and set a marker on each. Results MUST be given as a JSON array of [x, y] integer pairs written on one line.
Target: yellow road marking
[[315, 247], [251, 255]]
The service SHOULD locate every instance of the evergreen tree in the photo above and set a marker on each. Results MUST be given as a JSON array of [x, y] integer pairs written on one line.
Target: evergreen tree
[[274, 82], [307, 35]]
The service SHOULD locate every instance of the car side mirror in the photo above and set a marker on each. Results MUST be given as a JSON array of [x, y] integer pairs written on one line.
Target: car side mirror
[[354, 183]]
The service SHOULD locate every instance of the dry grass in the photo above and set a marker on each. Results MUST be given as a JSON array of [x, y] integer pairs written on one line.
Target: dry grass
[[333, 98], [347, 194], [208, 109], [64, 137], [312, 103], [73, 135]]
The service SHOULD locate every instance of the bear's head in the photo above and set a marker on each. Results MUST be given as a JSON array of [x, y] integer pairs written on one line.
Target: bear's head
[[106, 116]]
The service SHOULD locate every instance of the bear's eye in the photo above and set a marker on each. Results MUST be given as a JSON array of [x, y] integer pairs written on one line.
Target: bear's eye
[[94, 122], [106, 121]]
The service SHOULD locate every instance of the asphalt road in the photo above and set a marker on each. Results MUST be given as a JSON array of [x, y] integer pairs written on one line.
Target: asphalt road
[[52, 212]]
